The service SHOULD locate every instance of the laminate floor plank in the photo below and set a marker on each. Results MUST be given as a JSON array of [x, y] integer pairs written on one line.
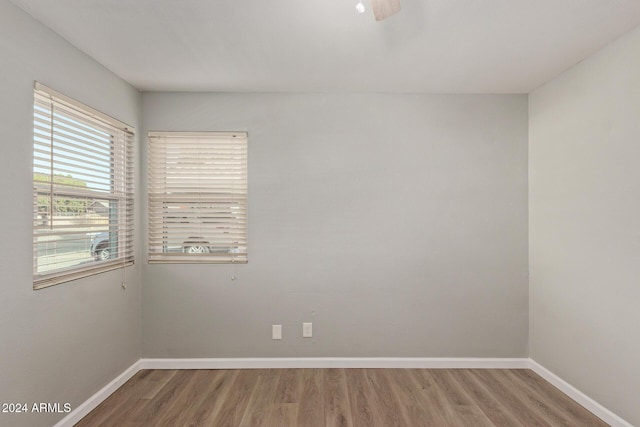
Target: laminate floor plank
[[282, 414], [155, 381], [289, 386], [573, 410], [128, 418], [435, 398], [212, 400], [462, 408], [183, 401], [159, 406], [499, 415], [360, 400], [311, 405], [262, 399], [387, 407], [132, 414], [543, 404], [339, 398], [337, 412], [521, 410], [117, 403], [237, 400], [416, 410], [183, 409], [143, 386]]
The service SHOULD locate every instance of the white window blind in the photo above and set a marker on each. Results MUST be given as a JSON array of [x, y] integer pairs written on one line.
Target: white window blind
[[198, 197], [82, 190]]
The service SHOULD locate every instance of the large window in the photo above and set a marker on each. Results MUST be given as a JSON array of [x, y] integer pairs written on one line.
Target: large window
[[198, 197], [82, 190]]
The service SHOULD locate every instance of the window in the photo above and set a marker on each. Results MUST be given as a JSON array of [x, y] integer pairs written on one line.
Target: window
[[198, 197], [82, 190]]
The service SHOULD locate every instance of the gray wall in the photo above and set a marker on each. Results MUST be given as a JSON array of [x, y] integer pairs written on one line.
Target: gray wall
[[584, 151], [63, 343], [397, 224]]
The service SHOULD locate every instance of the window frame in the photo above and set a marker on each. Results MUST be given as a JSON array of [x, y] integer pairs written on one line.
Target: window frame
[[200, 213], [120, 187]]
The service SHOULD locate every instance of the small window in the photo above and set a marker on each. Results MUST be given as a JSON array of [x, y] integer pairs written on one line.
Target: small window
[[198, 197], [82, 190]]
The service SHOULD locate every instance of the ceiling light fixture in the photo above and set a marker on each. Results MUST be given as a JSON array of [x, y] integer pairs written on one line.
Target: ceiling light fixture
[[382, 9]]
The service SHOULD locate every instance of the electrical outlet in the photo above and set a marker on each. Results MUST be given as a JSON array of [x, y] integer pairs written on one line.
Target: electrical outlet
[[307, 330], [276, 332]]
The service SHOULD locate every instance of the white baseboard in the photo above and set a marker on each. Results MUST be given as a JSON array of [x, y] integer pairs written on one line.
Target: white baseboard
[[91, 403], [336, 362], [591, 405], [345, 362]]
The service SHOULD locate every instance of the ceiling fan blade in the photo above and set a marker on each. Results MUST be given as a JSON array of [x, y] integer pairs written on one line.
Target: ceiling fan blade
[[384, 8]]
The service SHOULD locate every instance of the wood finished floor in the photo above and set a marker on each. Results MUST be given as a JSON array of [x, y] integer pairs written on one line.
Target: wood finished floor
[[339, 397]]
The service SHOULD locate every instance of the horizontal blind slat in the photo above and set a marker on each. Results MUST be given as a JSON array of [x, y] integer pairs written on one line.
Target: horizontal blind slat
[[82, 190], [197, 196]]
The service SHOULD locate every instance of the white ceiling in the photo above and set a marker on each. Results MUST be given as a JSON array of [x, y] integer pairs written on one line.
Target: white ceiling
[[440, 46]]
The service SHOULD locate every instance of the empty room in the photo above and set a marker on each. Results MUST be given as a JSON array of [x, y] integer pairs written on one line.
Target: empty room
[[320, 213]]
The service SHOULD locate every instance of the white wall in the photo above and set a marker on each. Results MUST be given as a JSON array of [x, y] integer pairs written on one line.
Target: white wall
[[584, 153], [397, 224], [63, 343]]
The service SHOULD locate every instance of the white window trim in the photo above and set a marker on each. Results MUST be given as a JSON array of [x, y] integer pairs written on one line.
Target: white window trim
[[61, 275], [168, 235]]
